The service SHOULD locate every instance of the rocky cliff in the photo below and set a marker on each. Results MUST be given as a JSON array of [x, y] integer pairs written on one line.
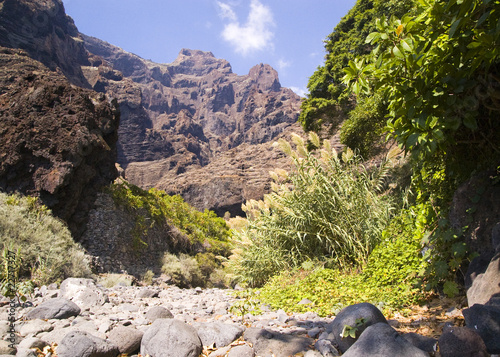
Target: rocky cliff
[[58, 141], [194, 127], [46, 33]]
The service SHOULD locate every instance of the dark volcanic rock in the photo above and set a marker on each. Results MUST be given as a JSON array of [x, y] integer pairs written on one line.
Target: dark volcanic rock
[[181, 117], [58, 141], [46, 33]]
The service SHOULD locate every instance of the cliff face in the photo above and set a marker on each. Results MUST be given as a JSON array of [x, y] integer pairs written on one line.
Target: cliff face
[[57, 140], [183, 118], [46, 33]]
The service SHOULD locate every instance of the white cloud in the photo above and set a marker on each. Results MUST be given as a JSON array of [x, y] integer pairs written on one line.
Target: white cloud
[[300, 91], [255, 34], [282, 64], [226, 12]]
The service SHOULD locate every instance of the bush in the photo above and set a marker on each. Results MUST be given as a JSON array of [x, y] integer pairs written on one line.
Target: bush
[[329, 209], [46, 248], [158, 208], [183, 270]]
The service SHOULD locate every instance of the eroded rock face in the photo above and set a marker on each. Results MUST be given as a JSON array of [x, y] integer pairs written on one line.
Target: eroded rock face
[[57, 140], [192, 117], [46, 33]]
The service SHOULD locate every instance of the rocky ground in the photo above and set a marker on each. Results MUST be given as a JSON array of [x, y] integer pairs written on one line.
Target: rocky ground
[[84, 319]]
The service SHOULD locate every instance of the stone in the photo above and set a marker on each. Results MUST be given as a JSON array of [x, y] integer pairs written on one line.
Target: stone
[[381, 339], [485, 285], [83, 292], [485, 320], [461, 342], [304, 302], [348, 316], [83, 344], [147, 293], [326, 348], [32, 342], [221, 352], [59, 308], [127, 339], [241, 351], [424, 343], [268, 343], [24, 352], [217, 333], [158, 312], [6, 349], [34, 327], [171, 338]]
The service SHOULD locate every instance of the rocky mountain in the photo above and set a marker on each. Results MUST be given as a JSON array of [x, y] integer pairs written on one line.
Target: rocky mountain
[[58, 141], [193, 127]]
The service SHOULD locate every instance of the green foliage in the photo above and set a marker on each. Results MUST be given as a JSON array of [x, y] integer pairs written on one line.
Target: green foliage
[[328, 103], [351, 331], [363, 129], [183, 270], [391, 279], [155, 207], [247, 303], [439, 74], [46, 250], [147, 278], [328, 209]]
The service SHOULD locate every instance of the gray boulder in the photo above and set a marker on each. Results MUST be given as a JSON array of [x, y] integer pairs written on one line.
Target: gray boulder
[[147, 293], [485, 285], [241, 351], [424, 343], [158, 312], [461, 342], [268, 343], [83, 292], [485, 320], [217, 333], [171, 338], [83, 344], [34, 327], [59, 308], [348, 317], [127, 339], [381, 340]]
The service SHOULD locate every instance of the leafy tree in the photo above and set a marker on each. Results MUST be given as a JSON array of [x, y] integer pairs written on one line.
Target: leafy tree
[[439, 75], [328, 103]]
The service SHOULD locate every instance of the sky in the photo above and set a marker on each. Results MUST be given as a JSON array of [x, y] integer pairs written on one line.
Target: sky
[[286, 34]]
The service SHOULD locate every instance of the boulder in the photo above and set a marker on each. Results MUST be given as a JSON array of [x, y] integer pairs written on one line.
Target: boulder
[[217, 333], [461, 342], [158, 312], [424, 343], [348, 317], [171, 338], [59, 308], [241, 351], [485, 285], [485, 320], [326, 348], [83, 292], [270, 343], [34, 327], [83, 344], [381, 339], [127, 339]]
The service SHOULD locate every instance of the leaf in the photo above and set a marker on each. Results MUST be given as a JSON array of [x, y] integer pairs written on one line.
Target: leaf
[[454, 27], [406, 45], [399, 30], [450, 288], [397, 52], [470, 122], [372, 37]]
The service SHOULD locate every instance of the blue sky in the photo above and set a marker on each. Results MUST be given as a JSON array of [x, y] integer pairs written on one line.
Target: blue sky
[[287, 34]]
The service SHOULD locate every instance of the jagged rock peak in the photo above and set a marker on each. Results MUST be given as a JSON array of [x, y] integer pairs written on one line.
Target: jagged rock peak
[[265, 76], [199, 63]]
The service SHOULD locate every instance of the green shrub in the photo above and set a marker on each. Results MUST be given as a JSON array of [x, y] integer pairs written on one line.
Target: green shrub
[[183, 270], [111, 280], [329, 209], [147, 278], [47, 251], [155, 207]]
